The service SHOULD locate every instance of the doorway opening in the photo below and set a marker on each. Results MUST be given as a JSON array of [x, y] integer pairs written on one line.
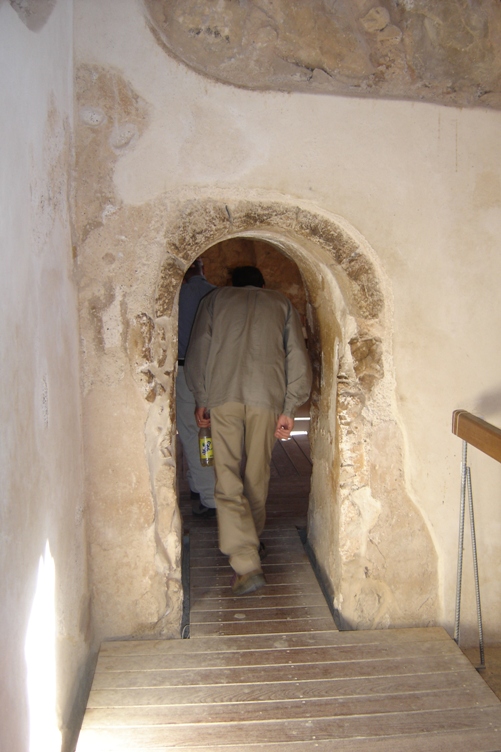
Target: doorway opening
[[359, 507], [291, 463], [290, 460]]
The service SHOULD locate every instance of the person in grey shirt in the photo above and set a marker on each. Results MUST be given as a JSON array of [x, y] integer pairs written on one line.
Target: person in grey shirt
[[200, 479], [247, 363]]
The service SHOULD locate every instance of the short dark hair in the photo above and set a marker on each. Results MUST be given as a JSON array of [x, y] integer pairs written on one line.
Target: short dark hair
[[247, 275]]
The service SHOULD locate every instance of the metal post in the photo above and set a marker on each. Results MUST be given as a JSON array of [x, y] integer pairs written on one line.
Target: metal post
[[461, 542], [475, 570]]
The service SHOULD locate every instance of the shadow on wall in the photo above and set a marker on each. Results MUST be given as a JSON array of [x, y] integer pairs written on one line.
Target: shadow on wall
[[33, 13], [489, 404]]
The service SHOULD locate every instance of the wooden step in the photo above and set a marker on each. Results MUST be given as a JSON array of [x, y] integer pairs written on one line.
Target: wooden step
[[269, 672], [409, 689]]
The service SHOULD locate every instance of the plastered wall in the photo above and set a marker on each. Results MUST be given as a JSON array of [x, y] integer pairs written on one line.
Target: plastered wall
[[45, 632], [166, 160]]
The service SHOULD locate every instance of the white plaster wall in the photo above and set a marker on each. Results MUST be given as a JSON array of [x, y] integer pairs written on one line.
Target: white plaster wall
[[422, 183], [44, 613]]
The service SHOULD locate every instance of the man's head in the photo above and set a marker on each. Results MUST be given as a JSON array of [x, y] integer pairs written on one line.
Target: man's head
[[195, 270], [247, 275]]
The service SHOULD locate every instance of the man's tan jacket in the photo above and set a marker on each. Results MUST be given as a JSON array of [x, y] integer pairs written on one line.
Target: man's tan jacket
[[247, 346]]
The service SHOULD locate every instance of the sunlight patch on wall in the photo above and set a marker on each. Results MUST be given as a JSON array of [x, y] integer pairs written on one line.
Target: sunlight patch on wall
[[40, 654]]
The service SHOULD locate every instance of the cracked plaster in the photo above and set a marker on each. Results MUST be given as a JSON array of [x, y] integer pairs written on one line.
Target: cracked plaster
[[442, 51]]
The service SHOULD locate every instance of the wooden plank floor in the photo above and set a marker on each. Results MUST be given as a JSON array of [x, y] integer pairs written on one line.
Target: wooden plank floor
[[270, 672], [389, 690], [292, 595]]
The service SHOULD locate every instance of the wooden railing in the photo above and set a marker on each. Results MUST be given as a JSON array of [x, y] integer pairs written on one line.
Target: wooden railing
[[477, 432], [487, 438]]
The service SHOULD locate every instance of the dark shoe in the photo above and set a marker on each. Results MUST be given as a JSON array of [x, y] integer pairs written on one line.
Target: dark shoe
[[199, 510], [262, 551], [243, 584], [194, 495]]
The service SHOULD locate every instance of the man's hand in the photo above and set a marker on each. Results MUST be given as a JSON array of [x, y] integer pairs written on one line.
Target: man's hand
[[284, 427], [202, 417]]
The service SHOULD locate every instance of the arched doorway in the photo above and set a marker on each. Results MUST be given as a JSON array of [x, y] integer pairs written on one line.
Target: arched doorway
[[369, 538], [291, 463], [360, 509]]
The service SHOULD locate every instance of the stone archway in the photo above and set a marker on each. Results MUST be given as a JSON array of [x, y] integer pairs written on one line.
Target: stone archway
[[369, 538], [360, 513]]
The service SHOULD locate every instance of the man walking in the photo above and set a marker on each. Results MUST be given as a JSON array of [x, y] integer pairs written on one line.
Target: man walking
[[200, 479], [247, 363]]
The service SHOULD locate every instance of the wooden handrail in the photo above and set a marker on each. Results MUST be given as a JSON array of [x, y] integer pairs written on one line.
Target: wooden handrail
[[477, 432]]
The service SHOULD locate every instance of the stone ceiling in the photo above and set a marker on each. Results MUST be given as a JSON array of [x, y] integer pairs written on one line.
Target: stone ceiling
[[443, 51]]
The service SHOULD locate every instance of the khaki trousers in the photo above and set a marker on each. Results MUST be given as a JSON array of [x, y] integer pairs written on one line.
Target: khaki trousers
[[241, 502]]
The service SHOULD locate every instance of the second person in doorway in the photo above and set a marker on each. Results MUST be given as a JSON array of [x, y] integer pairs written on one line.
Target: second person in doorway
[[200, 479]]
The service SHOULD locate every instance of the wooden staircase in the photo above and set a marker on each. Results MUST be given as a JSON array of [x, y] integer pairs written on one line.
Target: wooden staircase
[[270, 672]]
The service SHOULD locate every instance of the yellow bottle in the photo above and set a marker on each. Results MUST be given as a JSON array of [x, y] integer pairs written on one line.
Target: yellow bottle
[[205, 446]]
